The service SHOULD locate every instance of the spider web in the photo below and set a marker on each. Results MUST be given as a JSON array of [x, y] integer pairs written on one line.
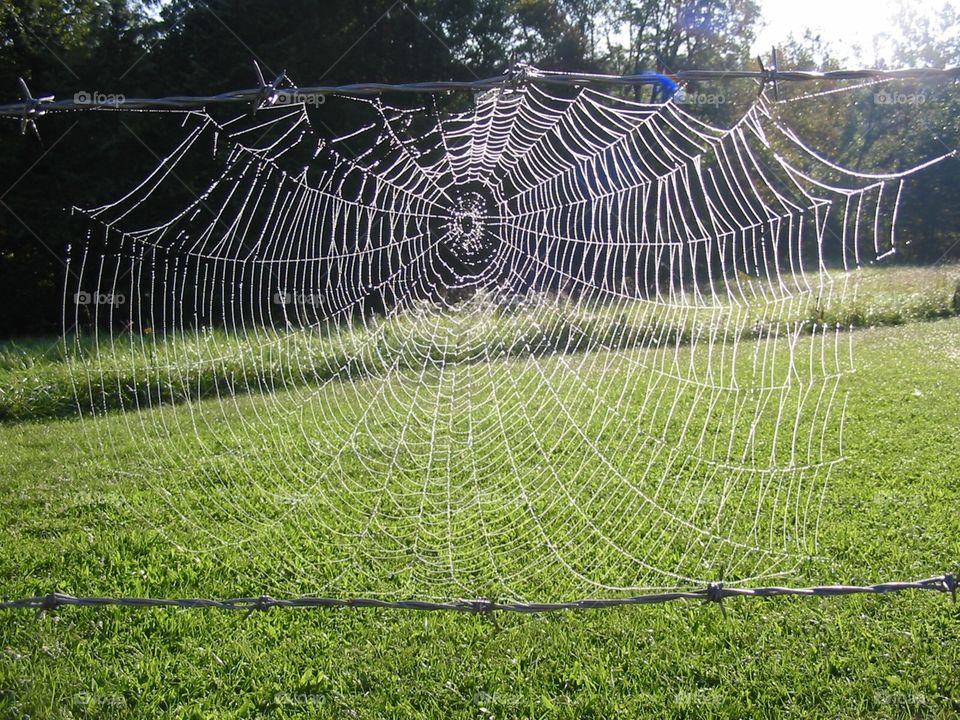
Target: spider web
[[556, 344]]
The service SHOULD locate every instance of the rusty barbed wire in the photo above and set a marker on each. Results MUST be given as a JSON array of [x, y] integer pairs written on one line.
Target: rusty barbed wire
[[714, 592]]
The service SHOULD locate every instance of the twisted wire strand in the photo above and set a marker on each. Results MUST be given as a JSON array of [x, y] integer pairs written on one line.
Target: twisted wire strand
[[714, 592], [269, 94]]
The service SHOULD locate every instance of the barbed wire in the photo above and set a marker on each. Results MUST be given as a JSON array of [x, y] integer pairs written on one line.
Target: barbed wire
[[270, 93], [714, 592]]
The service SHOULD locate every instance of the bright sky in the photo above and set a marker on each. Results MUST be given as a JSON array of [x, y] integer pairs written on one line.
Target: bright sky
[[841, 23]]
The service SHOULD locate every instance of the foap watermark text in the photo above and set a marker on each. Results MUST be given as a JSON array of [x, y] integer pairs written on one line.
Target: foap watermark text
[[99, 298], [98, 99]]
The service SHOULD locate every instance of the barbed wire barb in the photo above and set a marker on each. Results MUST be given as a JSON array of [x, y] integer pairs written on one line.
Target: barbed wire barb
[[950, 583], [32, 108], [715, 594]]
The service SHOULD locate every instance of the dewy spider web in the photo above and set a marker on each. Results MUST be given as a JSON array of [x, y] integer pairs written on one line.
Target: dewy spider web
[[554, 345]]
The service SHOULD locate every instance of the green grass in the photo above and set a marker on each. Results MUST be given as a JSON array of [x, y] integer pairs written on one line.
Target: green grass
[[82, 522], [38, 376]]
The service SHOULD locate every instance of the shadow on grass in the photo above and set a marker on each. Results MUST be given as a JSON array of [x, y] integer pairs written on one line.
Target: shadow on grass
[[40, 379]]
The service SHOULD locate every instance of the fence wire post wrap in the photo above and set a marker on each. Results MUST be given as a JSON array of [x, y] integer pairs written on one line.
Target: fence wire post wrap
[[713, 593]]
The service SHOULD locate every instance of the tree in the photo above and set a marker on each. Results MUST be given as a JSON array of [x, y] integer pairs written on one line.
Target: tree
[[55, 45], [703, 34]]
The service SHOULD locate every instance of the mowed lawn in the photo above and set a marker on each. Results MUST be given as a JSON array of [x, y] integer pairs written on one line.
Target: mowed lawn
[[890, 513]]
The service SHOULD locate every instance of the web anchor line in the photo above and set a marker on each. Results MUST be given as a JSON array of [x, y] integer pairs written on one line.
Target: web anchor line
[[713, 593]]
